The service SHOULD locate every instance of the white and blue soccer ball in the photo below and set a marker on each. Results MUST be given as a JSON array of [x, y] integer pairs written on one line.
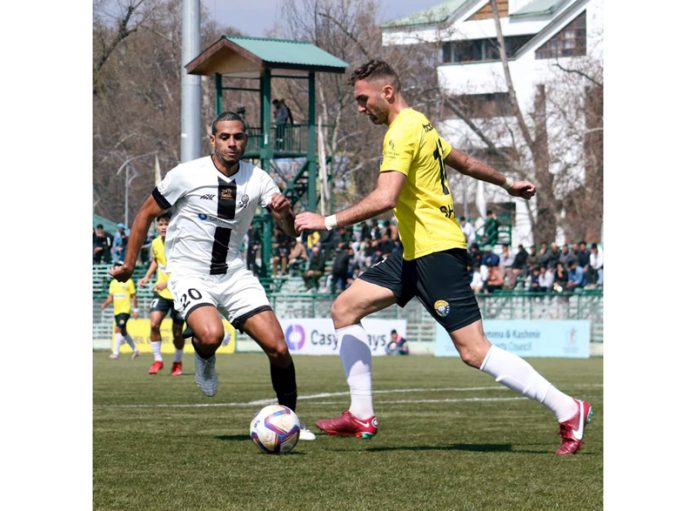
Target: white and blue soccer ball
[[275, 429]]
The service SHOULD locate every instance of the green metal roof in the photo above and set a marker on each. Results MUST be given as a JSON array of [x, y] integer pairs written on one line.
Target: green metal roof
[[231, 54], [437, 14], [538, 8], [283, 51]]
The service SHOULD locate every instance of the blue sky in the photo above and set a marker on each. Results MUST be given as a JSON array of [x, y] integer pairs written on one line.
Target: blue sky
[[255, 18]]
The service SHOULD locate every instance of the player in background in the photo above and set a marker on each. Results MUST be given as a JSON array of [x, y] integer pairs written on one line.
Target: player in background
[[213, 201], [163, 302], [122, 294], [433, 266]]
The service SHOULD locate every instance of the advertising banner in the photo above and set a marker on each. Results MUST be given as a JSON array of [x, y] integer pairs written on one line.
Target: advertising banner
[[529, 338], [139, 330], [318, 337]]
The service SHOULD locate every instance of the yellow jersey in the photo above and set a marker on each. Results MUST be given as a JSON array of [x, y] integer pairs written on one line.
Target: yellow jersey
[[122, 293], [425, 208], [161, 260]]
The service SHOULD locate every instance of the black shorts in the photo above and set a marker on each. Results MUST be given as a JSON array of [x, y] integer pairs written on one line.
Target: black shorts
[[165, 305], [439, 280], [121, 320]]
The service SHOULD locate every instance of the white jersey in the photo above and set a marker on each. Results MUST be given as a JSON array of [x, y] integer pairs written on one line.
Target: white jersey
[[211, 213]]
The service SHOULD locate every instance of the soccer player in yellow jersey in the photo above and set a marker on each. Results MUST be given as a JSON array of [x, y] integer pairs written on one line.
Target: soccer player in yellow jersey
[[412, 182], [163, 303], [122, 294]]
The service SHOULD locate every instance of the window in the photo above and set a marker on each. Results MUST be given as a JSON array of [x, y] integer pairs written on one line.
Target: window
[[474, 50], [571, 41]]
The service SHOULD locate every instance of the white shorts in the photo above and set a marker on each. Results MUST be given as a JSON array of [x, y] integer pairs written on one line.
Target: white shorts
[[237, 294]]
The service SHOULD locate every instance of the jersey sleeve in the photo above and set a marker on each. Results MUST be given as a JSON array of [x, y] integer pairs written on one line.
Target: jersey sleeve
[[268, 189], [399, 147], [446, 148], [170, 189]]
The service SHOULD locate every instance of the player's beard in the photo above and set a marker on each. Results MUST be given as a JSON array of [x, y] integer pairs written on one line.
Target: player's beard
[[228, 163]]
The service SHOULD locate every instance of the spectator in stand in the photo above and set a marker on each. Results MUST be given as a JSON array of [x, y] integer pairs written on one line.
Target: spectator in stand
[[554, 256], [596, 277], [560, 278], [533, 257], [468, 230], [397, 345], [391, 230], [375, 230], [519, 263], [475, 255], [477, 281], [533, 283], [341, 268], [364, 231], [490, 229], [567, 255], [253, 257], [281, 113], [545, 279], [315, 267], [506, 260], [495, 280], [281, 252], [297, 258], [102, 242], [118, 251], [328, 241], [583, 256], [490, 258], [386, 245], [311, 238], [544, 256], [576, 276]]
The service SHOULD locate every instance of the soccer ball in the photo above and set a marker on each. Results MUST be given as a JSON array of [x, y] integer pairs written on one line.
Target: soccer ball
[[275, 429]]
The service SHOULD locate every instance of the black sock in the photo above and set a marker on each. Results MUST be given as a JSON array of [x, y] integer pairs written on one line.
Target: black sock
[[205, 356], [284, 385]]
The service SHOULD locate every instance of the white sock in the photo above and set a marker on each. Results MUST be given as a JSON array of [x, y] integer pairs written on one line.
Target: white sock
[[130, 342], [119, 341], [157, 350], [517, 374], [357, 365], [178, 354]]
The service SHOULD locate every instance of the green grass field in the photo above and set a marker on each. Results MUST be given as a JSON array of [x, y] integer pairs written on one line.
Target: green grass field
[[450, 438]]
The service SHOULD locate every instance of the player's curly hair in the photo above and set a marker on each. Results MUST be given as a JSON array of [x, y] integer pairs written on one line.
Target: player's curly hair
[[374, 70]]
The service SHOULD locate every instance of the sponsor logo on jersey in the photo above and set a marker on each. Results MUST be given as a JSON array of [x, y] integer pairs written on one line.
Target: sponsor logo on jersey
[[202, 216], [208, 196], [226, 193], [442, 308]]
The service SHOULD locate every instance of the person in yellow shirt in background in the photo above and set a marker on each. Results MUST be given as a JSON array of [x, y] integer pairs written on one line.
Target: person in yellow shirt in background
[[121, 294], [163, 303]]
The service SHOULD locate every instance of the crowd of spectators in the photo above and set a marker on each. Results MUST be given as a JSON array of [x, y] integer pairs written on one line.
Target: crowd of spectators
[[329, 261]]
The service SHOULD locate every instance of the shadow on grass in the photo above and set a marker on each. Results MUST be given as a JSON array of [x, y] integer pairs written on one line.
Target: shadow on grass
[[452, 447], [232, 438]]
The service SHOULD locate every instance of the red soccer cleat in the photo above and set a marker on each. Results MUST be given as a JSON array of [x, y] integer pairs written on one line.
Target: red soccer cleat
[[176, 369], [156, 367], [349, 425], [572, 430]]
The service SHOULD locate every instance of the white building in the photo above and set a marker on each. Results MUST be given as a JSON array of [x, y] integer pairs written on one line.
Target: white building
[[545, 41]]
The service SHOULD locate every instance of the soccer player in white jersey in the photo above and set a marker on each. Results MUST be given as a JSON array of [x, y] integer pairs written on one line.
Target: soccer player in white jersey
[[213, 200]]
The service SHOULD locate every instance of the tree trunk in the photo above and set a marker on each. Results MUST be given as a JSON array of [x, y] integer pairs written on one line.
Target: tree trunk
[[593, 204], [544, 229]]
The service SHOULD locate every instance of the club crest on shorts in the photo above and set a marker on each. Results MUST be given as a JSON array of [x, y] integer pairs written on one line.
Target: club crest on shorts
[[442, 308]]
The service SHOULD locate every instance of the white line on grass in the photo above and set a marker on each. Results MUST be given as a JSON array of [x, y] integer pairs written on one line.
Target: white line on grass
[[322, 395]]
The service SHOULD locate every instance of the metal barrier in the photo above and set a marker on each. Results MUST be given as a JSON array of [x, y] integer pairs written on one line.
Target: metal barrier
[[287, 302]]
